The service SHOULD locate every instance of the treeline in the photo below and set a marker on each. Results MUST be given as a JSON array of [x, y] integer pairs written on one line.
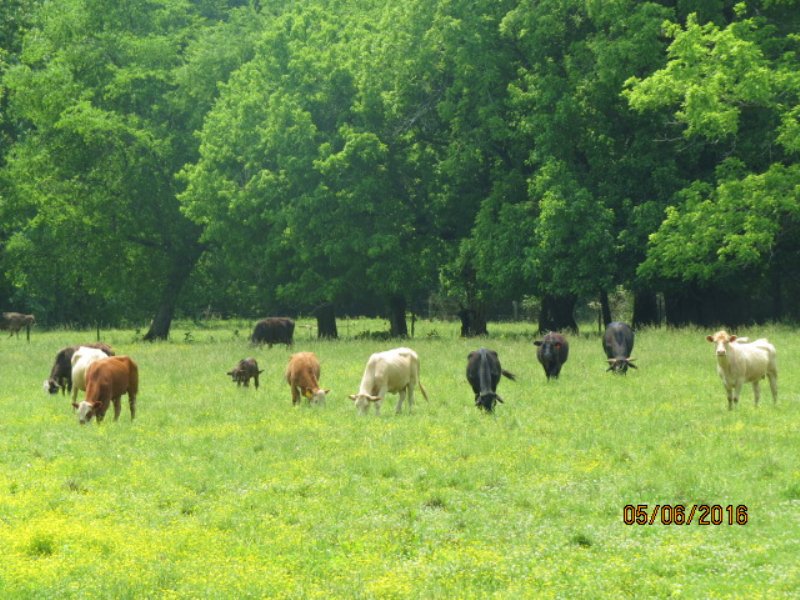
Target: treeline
[[251, 158]]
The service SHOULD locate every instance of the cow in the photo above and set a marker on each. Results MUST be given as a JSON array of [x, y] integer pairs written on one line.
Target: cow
[[61, 373], [552, 353], [14, 321], [302, 375], [81, 359], [618, 345], [273, 330], [483, 374], [106, 381], [244, 370], [740, 361], [394, 371]]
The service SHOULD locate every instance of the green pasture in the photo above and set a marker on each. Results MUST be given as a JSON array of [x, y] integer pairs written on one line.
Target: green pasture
[[224, 492]]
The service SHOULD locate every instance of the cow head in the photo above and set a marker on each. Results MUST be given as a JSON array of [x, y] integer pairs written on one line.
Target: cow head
[[50, 386], [620, 365], [363, 401], [721, 339], [317, 397], [487, 401], [548, 349], [86, 411]]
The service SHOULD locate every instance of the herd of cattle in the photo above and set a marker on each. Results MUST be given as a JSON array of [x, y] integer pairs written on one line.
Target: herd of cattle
[[105, 378]]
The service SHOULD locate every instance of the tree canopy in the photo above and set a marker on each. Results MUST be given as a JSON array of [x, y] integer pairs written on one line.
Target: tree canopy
[[166, 157]]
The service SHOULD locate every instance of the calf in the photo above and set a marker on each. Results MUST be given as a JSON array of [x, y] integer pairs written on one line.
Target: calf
[[106, 381], [552, 353], [618, 345], [302, 375], [394, 371], [483, 374], [14, 321], [244, 370], [740, 362], [61, 373], [273, 330], [81, 359]]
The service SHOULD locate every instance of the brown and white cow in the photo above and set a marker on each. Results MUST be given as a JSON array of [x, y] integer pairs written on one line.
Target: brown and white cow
[[302, 375], [245, 369], [394, 371], [106, 381], [14, 321], [61, 373], [740, 361]]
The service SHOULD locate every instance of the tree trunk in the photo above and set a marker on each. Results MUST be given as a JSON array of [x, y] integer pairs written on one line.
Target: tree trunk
[[557, 314], [473, 320], [326, 322], [397, 316], [645, 308], [179, 273], [605, 307]]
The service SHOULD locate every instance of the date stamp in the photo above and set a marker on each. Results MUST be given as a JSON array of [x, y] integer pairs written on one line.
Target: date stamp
[[680, 514]]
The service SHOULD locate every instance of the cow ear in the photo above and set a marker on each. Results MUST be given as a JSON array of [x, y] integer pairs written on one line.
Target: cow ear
[[710, 338], [75, 405], [326, 391], [537, 343], [261, 371], [611, 361], [733, 338], [373, 398], [499, 399]]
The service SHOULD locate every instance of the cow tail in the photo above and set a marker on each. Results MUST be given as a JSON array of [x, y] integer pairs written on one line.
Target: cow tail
[[422, 389]]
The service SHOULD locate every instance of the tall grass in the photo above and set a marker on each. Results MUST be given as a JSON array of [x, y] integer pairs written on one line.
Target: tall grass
[[225, 492]]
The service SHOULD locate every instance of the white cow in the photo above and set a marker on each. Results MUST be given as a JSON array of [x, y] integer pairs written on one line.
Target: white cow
[[81, 359], [395, 371], [740, 362]]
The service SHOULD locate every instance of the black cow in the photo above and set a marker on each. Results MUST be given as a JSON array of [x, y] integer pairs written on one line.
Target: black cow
[[273, 330], [483, 374], [61, 373], [618, 345], [552, 353]]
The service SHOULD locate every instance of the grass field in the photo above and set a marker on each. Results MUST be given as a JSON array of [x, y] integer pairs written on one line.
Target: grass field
[[224, 492]]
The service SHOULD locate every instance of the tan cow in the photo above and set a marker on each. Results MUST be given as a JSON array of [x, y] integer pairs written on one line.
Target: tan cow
[[302, 375], [106, 381], [740, 362], [394, 371]]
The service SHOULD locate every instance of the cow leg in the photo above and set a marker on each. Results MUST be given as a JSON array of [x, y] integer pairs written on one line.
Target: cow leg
[[401, 395], [132, 404], [729, 394], [410, 397], [295, 395], [756, 391], [117, 406], [256, 380]]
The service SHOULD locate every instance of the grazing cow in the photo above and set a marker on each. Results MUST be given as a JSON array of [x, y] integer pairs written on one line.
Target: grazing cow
[[552, 353], [81, 359], [483, 374], [302, 375], [14, 321], [740, 362], [273, 330], [618, 345], [106, 381], [61, 373], [244, 370], [395, 371]]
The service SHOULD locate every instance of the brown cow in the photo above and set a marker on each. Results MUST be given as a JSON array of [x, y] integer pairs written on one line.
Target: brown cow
[[61, 373], [106, 380], [244, 370], [302, 375], [14, 321]]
